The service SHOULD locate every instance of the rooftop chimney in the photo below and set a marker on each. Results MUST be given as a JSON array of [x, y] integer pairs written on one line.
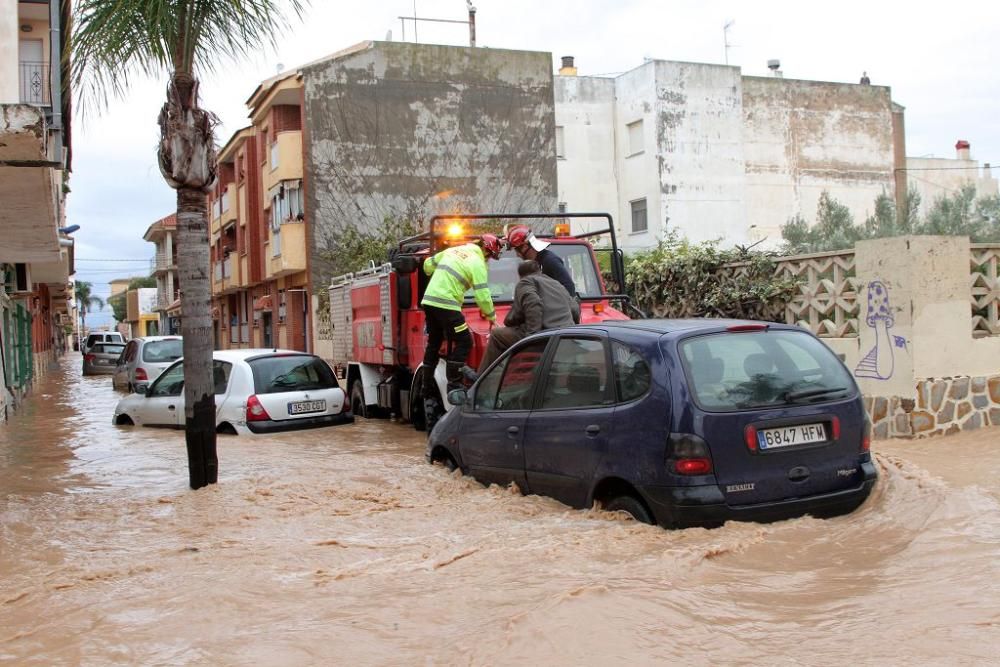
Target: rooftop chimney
[[962, 149], [775, 66], [568, 68]]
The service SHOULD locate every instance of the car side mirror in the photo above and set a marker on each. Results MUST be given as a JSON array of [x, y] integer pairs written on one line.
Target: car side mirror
[[457, 397], [141, 389]]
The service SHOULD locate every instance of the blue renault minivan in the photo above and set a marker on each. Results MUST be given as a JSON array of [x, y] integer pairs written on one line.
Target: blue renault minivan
[[675, 422]]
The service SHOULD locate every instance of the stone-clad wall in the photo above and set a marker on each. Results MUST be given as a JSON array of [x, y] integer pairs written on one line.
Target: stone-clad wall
[[943, 406]]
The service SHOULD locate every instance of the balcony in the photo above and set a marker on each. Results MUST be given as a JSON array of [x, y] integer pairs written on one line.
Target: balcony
[[223, 209], [285, 163], [29, 215], [229, 209], [33, 81], [291, 246], [222, 279], [164, 263]]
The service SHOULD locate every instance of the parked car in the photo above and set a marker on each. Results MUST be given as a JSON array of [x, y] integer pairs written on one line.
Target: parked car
[[144, 359], [101, 337], [676, 422], [256, 391], [101, 358]]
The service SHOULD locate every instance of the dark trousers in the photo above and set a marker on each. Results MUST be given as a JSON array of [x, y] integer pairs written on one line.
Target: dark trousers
[[500, 339], [450, 325]]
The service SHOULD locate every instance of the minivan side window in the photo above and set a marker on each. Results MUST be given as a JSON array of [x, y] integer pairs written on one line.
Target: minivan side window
[[519, 375], [632, 376], [577, 376], [485, 398]]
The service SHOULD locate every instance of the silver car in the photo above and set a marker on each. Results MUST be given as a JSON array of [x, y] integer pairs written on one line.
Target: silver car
[[144, 359], [101, 337], [102, 358]]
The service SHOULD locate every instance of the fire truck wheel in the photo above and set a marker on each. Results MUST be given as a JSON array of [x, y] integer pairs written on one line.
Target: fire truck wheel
[[358, 406]]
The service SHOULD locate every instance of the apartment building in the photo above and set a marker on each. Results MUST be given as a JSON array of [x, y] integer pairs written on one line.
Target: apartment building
[[167, 304], [708, 152], [934, 178], [36, 254], [259, 250]]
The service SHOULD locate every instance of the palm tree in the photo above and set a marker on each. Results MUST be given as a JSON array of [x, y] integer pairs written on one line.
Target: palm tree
[[84, 301], [111, 43]]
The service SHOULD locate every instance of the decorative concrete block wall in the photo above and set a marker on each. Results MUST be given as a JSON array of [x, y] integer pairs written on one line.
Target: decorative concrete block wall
[[916, 319]]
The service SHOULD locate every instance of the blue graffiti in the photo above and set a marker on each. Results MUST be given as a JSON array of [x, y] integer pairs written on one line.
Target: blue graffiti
[[878, 364]]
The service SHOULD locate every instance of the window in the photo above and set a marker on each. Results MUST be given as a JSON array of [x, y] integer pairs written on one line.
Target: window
[[286, 205], [159, 351], [639, 221], [635, 144], [560, 142], [632, 376], [578, 375], [577, 258], [515, 390], [170, 382], [736, 371], [290, 372]]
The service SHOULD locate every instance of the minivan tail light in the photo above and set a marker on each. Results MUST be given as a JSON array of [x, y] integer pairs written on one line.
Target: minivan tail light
[[140, 374], [835, 427], [256, 411], [88, 357], [687, 454], [750, 437], [866, 437]]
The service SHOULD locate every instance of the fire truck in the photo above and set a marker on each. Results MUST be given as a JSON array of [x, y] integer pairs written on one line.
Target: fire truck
[[377, 324]]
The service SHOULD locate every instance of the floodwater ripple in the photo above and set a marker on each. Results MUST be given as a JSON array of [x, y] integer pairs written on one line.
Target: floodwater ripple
[[342, 546]]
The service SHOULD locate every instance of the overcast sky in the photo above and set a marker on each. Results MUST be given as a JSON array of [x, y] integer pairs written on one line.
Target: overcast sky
[[939, 59]]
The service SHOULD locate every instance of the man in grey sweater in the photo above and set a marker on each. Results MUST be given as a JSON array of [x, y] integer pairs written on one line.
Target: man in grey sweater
[[540, 303]]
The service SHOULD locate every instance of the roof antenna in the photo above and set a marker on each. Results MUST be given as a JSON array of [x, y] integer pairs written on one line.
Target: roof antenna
[[725, 36]]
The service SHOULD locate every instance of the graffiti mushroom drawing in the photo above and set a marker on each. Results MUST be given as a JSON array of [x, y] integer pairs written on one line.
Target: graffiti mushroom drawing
[[878, 363]]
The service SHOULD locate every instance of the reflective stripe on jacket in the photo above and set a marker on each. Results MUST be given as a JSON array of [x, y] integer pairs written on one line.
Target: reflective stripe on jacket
[[453, 272]]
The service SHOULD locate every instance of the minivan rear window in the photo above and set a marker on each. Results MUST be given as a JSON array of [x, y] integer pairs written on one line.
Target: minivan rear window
[[289, 372], [163, 351], [728, 372]]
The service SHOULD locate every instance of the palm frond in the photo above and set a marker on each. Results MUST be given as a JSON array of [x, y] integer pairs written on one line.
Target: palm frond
[[114, 41]]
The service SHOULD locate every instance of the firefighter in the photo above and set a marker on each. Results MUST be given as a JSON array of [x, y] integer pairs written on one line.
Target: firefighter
[[528, 246], [454, 271], [539, 303]]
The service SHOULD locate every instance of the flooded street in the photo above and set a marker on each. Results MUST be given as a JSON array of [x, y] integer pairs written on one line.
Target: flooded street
[[342, 546]]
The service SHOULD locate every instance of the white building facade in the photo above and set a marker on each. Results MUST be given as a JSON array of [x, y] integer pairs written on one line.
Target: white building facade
[[710, 153]]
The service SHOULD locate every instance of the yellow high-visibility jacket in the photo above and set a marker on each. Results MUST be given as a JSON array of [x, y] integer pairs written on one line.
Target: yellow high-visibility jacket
[[453, 272]]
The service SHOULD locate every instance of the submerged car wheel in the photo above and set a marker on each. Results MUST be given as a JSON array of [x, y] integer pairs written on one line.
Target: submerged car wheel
[[631, 506]]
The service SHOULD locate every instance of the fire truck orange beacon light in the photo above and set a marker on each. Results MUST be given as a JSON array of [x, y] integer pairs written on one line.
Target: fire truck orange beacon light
[[455, 230], [562, 229]]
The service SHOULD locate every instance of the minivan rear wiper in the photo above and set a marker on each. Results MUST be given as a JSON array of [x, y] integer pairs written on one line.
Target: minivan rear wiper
[[793, 396]]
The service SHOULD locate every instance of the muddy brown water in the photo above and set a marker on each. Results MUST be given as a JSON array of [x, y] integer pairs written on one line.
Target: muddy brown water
[[342, 546]]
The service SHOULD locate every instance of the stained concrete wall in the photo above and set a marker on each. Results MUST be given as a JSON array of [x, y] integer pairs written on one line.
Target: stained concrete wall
[[805, 137], [700, 150], [410, 130], [588, 173]]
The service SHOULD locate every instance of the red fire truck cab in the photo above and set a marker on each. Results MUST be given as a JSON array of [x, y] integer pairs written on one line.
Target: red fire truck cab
[[378, 326]]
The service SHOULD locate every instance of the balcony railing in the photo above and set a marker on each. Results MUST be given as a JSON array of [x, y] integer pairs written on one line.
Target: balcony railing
[[34, 83]]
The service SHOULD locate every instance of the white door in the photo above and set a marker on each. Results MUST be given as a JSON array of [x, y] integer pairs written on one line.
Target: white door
[[34, 79]]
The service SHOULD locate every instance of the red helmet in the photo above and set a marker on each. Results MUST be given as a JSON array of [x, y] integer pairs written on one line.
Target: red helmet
[[518, 236], [491, 245]]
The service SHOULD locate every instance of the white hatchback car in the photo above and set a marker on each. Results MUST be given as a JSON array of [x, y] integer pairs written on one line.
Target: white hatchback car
[[256, 391]]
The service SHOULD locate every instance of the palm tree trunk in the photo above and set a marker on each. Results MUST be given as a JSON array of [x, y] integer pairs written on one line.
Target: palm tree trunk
[[196, 328], [188, 163]]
